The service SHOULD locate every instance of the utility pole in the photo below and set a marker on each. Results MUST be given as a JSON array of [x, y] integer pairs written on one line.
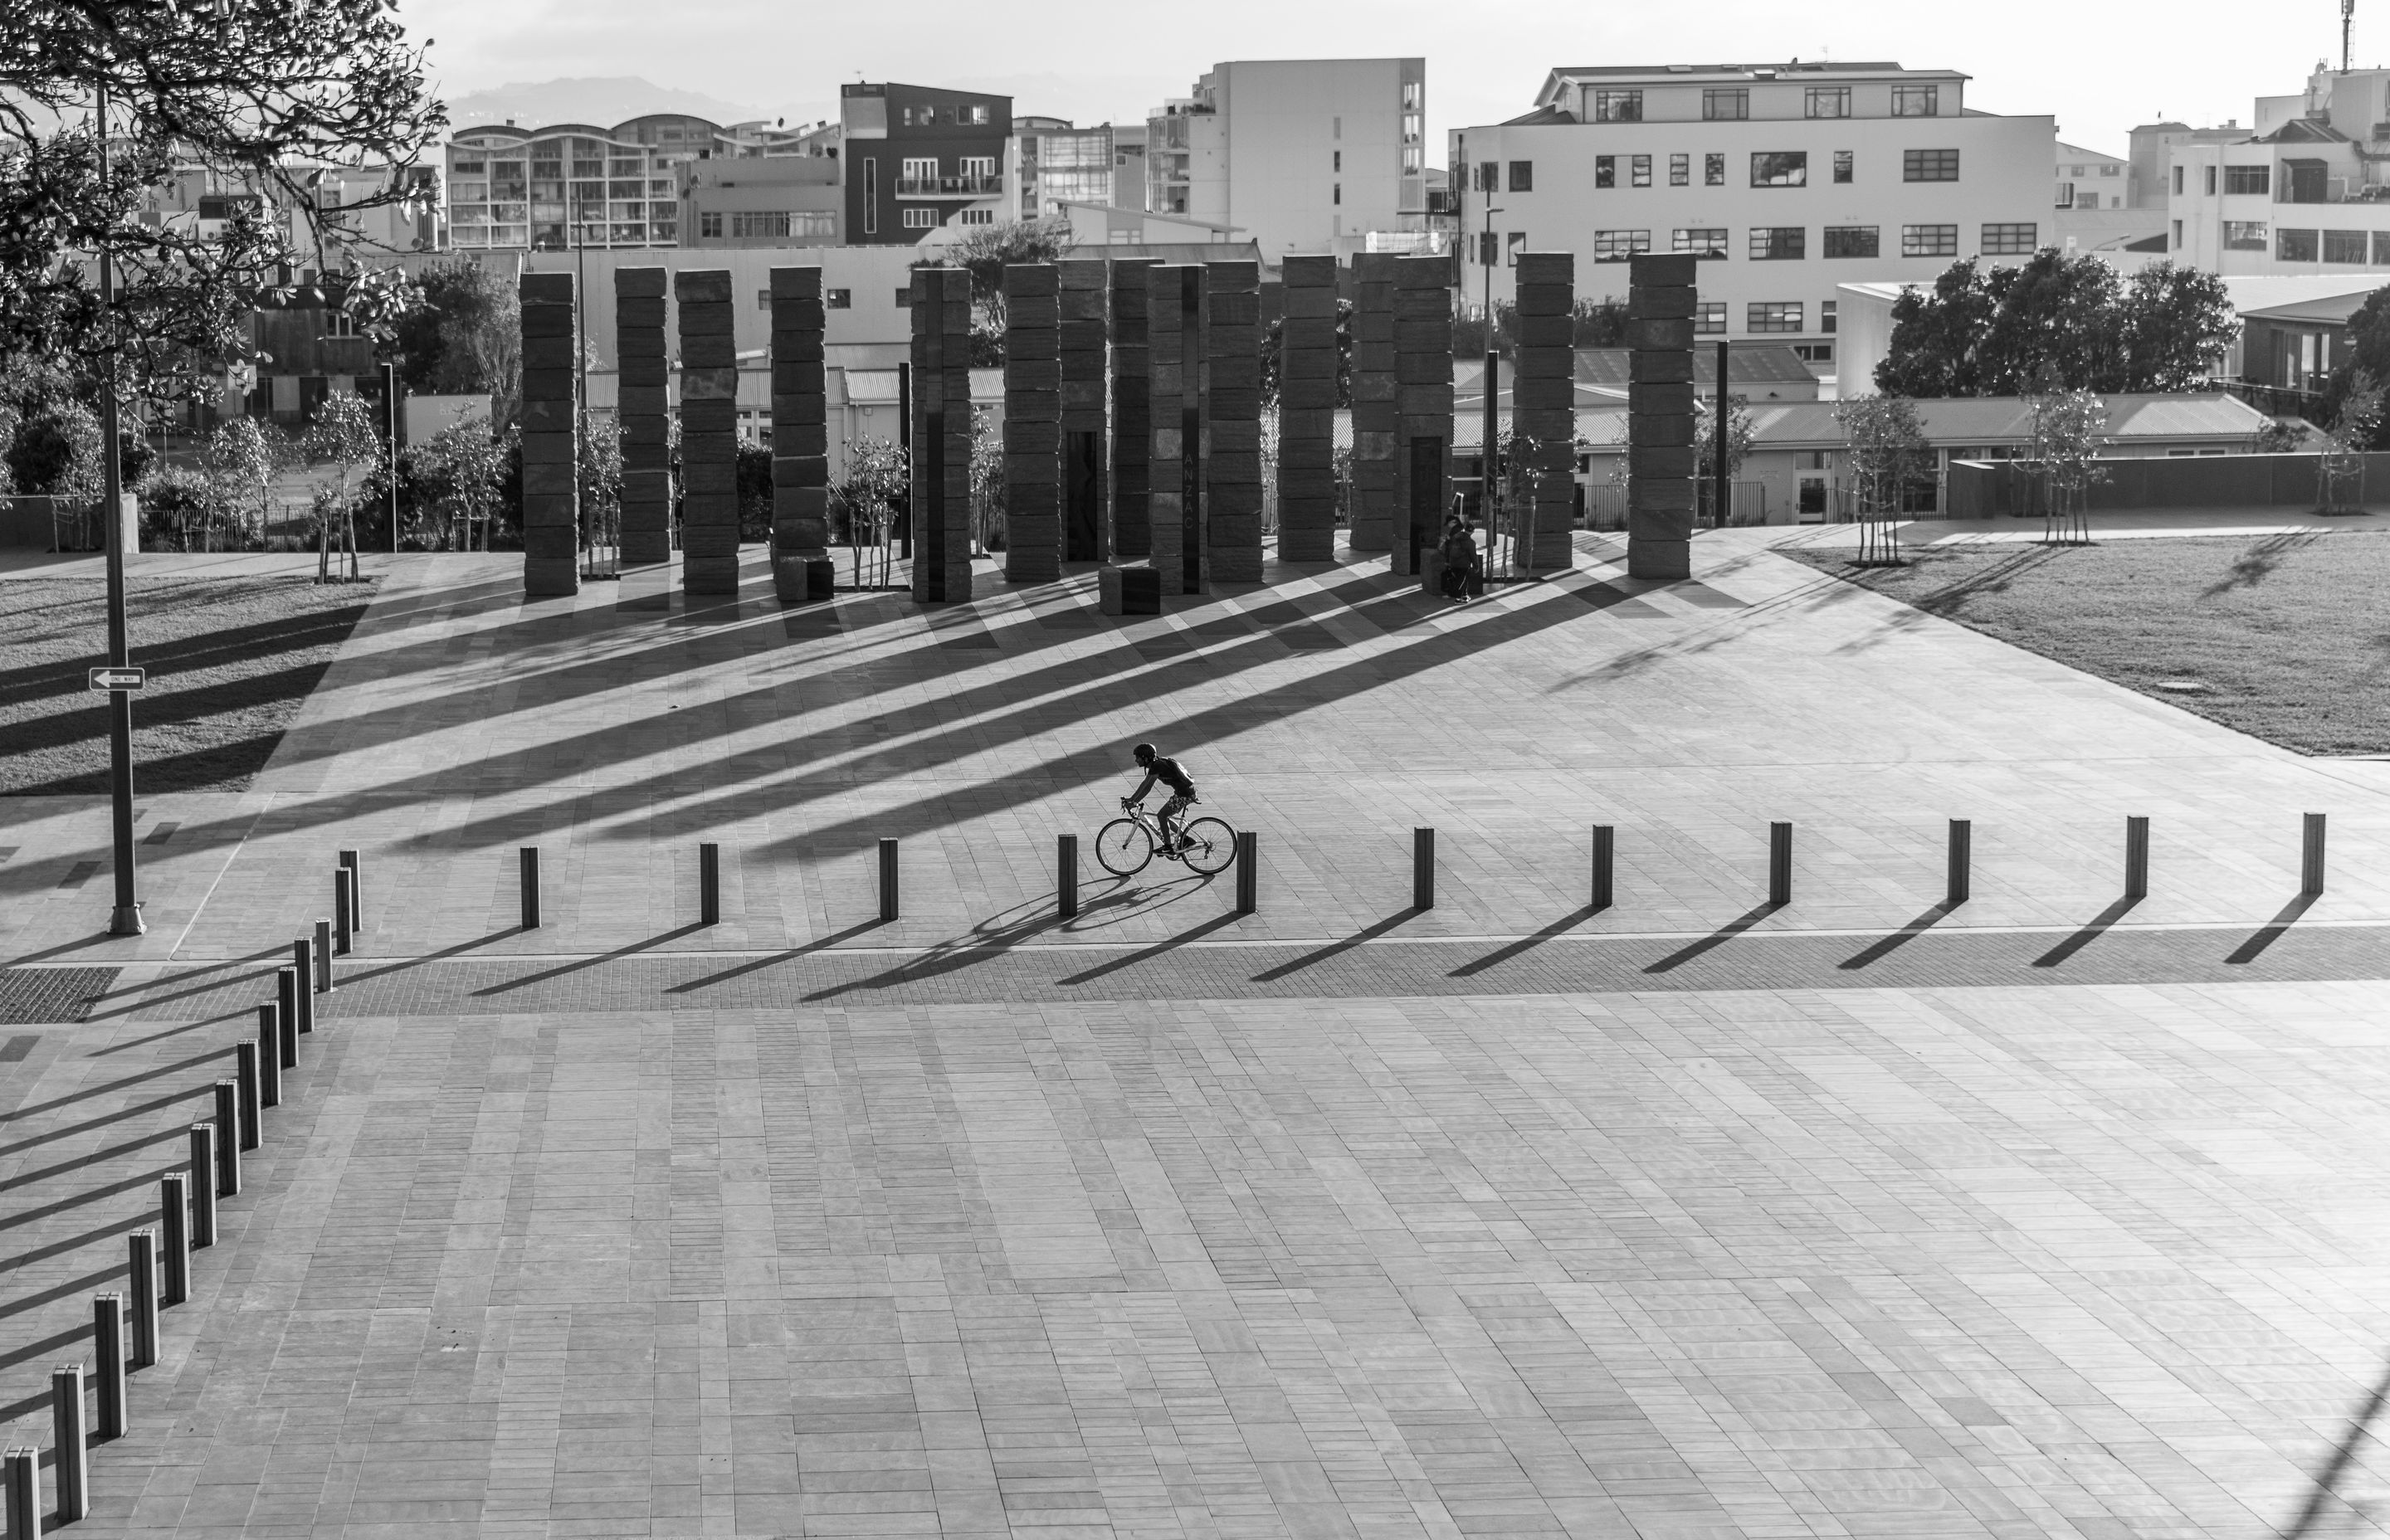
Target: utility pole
[[126, 921], [389, 404], [1488, 467]]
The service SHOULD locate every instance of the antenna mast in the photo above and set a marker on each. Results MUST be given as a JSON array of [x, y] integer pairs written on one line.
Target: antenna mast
[[2347, 18]]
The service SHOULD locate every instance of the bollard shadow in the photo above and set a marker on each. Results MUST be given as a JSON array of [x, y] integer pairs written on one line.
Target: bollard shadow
[[2327, 1480], [758, 964], [89, 1237], [58, 1292], [244, 1013], [442, 955], [137, 1007], [43, 1348], [1716, 938], [1524, 943], [1337, 948], [996, 936], [2088, 934], [2273, 930], [1144, 954], [184, 975], [28, 1216], [1884, 946], [98, 1157], [582, 964], [161, 1073], [101, 939], [122, 1114]]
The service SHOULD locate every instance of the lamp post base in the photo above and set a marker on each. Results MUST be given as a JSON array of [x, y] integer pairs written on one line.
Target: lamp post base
[[128, 921]]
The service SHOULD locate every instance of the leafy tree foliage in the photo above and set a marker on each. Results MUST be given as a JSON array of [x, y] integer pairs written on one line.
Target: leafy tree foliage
[[2056, 321], [460, 332], [1274, 345]]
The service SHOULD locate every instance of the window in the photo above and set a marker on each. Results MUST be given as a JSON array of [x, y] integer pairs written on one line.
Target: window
[[1489, 248], [838, 298], [763, 300], [2178, 181], [1523, 176], [1414, 92], [921, 169], [770, 223], [1640, 168], [1618, 106], [976, 216], [2249, 235], [2109, 170], [1814, 352], [1830, 101], [1929, 165], [2075, 171], [2010, 240], [1413, 158], [1915, 101], [1709, 241], [2066, 195], [709, 226], [1853, 240], [1714, 170], [1336, 192], [1336, 160], [1725, 106], [1779, 242], [975, 165], [1619, 244], [1681, 171], [2294, 245], [2381, 246], [2210, 180], [921, 218], [2344, 246], [2248, 179], [1842, 165], [1605, 171], [2178, 235], [870, 196], [1929, 241], [1709, 319], [1826, 317], [904, 298], [1772, 315], [1780, 168]]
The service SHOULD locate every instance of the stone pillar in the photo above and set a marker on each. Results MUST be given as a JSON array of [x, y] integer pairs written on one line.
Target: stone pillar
[[800, 440], [1660, 418], [1132, 527], [942, 435], [1232, 405], [1174, 317], [1422, 406], [1306, 412], [1543, 395], [551, 444], [1371, 496], [709, 432], [644, 414], [1084, 332], [1033, 425]]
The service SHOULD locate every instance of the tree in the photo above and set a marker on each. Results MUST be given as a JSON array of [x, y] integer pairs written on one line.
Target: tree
[[342, 437], [245, 455], [2066, 425], [1935, 337], [601, 488], [254, 91], [460, 335], [1736, 424], [467, 466], [1273, 344], [1884, 450], [877, 477], [2056, 318], [984, 254], [2355, 427], [2175, 325]]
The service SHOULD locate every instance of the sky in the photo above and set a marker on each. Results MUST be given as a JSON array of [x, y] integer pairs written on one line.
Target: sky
[[2100, 69]]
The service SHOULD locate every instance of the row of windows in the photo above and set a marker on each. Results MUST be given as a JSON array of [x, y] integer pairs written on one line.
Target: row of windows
[[928, 115], [1732, 103], [2237, 179], [2339, 246], [1775, 315], [832, 298], [1790, 242], [767, 223], [1769, 168]]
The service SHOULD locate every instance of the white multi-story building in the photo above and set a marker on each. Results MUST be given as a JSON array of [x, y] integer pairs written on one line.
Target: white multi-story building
[[2306, 192], [1295, 153], [1790, 179], [2089, 179]]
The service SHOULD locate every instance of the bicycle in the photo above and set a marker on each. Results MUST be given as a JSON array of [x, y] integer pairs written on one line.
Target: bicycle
[[1125, 845]]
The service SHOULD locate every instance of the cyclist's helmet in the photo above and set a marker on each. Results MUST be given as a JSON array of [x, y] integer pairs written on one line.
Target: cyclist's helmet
[[1143, 753]]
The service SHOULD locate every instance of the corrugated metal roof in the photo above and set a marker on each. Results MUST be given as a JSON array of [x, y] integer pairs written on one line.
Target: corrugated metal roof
[[1970, 420]]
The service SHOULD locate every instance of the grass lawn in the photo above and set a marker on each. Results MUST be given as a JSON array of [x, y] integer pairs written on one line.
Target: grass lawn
[[2290, 633], [229, 661]]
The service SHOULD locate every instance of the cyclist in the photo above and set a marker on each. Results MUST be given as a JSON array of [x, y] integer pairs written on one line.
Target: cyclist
[[1160, 767]]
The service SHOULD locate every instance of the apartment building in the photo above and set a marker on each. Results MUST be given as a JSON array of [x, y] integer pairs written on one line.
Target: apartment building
[[2088, 179], [2306, 192], [778, 200], [1787, 179], [570, 184], [1294, 153], [916, 159], [1102, 165]]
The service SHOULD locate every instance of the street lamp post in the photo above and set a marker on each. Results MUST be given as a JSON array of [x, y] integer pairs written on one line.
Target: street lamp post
[[1487, 459], [126, 921]]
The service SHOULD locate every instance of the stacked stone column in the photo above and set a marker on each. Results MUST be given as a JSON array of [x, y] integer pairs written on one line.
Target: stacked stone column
[[551, 457], [1175, 319], [1422, 406], [1083, 333], [942, 435], [1659, 457], [1306, 412], [1543, 398], [709, 433], [1232, 450], [801, 569], [1033, 425], [1375, 428], [644, 411], [1132, 528]]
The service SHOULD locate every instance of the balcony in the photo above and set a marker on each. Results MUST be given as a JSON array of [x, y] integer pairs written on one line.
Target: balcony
[[949, 187]]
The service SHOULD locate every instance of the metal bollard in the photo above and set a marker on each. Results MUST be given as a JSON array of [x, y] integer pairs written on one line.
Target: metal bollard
[[2311, 854], [887, 881], [227, 1139], [269, 1056], [341, 940], [1249, 877], [1605, 851], [286, 1009], [1779, 863], [527, 864], [2137, 858], [1956, 885], [709, 884], [175, 1237], [302, 964], [141, 1297], [322, 958], [245, 1076], [355, 868], [1423, 869], [20, 1492], [203, 1184], [107, 1363], [1066, 875], [67, 1443]]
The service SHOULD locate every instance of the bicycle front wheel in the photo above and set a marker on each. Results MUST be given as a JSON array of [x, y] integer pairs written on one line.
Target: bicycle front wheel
[[1210, 846], [1122, 847]]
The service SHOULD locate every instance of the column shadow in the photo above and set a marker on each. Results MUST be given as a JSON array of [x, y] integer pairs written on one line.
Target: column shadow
[[1525, 944], [582, 964], [1337, 948], [2327, 1481], [1716, 938], [757, 964], [1883, 946], [1196, 932], [2273, 930], [2088, 934]]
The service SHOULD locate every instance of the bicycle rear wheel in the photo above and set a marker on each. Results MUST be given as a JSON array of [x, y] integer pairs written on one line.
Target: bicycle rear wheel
[[1122, 847], [1210, 845]]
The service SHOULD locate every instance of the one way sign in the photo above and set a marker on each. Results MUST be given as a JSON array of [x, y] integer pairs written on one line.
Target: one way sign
[[118, 678]]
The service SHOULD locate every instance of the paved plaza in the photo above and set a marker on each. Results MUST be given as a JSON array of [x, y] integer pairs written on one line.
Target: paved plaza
[[2053, 1214]]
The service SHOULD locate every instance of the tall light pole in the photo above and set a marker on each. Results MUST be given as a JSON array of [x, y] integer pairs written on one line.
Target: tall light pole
[[126, 921], [1488, 455]]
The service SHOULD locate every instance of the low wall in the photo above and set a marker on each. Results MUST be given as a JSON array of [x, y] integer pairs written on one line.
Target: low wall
[[25, 523], [1991, 489]]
